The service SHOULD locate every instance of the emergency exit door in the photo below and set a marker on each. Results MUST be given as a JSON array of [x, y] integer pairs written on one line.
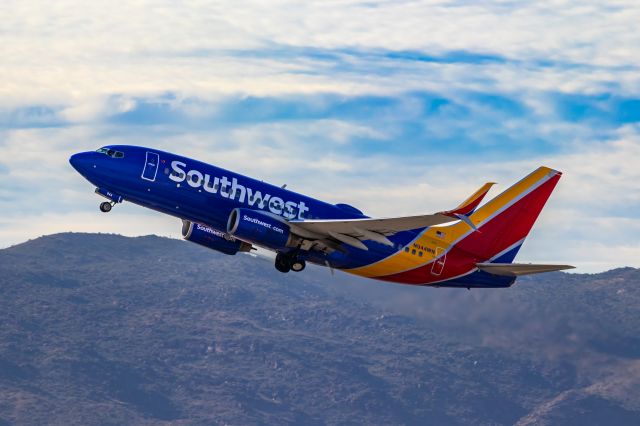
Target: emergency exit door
[[438, 265]]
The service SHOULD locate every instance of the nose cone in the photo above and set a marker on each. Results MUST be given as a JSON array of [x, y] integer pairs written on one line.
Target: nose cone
[[81, 162]]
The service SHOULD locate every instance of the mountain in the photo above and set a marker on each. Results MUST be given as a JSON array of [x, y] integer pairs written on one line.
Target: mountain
[[103, 329]]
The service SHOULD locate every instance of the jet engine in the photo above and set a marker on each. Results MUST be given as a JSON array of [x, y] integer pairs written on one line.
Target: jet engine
[[212, 238], [260, 228]]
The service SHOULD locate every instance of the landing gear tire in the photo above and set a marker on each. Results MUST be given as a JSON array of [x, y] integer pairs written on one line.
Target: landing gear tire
[[283, 264], [106, 207], [298, 265]]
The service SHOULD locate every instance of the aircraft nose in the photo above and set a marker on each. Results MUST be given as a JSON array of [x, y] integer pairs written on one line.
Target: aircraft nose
[[80, 161]]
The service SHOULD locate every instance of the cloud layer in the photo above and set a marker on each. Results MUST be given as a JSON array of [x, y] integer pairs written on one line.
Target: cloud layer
[[397, 107]]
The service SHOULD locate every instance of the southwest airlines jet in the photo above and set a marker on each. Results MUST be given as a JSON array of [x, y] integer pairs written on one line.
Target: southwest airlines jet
[[466, 247]]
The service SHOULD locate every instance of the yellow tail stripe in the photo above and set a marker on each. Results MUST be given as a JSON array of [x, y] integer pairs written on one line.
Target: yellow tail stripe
[[438, 238]]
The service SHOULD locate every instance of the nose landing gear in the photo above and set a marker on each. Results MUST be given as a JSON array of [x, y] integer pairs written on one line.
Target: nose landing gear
[[288, 262], [106, 206], [113, 198]]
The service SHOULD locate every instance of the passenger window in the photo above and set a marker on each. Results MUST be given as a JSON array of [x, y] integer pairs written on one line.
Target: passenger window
[[413, 251], [406, 249], [420, 254]]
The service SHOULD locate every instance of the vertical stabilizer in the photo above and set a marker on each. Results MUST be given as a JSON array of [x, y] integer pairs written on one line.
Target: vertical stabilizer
[[505, 221]]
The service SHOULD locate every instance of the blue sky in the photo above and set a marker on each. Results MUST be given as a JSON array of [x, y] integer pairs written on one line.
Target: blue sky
[[399, 107]]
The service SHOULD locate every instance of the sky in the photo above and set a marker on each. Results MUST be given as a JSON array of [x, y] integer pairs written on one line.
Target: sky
[[396, 107]]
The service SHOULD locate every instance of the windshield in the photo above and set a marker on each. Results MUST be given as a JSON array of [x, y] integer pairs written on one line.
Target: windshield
[[111, 152]]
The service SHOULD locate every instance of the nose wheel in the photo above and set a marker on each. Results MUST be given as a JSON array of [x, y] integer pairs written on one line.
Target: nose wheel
[[285, 263], [106, 206]]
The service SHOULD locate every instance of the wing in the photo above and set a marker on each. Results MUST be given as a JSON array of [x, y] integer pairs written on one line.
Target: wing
[[354, 231], [517, 269], [385, 226]]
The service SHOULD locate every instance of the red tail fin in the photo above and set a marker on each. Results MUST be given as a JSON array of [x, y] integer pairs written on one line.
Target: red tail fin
[[505, 221]]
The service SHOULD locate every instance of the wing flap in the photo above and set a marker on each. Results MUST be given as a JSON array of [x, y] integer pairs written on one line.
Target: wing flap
[[517, 269]]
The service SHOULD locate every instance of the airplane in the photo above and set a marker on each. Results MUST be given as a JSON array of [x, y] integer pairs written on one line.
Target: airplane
[[470, 246]]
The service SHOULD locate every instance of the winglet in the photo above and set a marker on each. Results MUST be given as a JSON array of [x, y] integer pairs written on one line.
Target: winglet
[[469, 205]]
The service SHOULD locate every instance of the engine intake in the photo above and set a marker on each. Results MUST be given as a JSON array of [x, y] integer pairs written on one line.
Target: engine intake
[[212, 238], [260, 228]]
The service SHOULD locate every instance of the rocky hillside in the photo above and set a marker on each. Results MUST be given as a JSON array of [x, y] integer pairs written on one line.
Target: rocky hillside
[[102, 329]]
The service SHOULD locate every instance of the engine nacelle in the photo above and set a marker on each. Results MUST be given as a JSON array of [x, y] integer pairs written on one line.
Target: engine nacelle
[[259, 228], [212, 238]]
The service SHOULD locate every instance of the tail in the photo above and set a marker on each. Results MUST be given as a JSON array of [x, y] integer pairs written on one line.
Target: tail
[[505, 221]]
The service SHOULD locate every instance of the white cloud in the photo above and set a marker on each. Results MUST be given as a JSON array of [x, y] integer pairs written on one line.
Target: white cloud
[[69, 52]]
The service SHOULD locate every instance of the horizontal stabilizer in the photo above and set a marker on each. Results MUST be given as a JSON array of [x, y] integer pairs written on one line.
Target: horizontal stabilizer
[[517, 269]]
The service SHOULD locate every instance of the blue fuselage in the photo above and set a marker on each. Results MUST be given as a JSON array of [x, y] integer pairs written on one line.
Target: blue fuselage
[[202, 193]]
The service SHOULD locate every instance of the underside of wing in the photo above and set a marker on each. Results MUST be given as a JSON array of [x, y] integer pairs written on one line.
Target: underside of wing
[[518, 269]]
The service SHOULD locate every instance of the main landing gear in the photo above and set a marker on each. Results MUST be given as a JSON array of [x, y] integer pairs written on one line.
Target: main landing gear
[[288, 262], [106, 206]]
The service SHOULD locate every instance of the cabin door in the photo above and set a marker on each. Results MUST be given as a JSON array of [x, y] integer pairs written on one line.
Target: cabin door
[[151, 166]]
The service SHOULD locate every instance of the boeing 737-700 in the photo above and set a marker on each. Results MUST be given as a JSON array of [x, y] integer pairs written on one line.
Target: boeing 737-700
[[468, 246]]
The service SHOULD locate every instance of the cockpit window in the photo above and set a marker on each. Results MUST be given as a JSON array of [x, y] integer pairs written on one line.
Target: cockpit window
[[111, 152]]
